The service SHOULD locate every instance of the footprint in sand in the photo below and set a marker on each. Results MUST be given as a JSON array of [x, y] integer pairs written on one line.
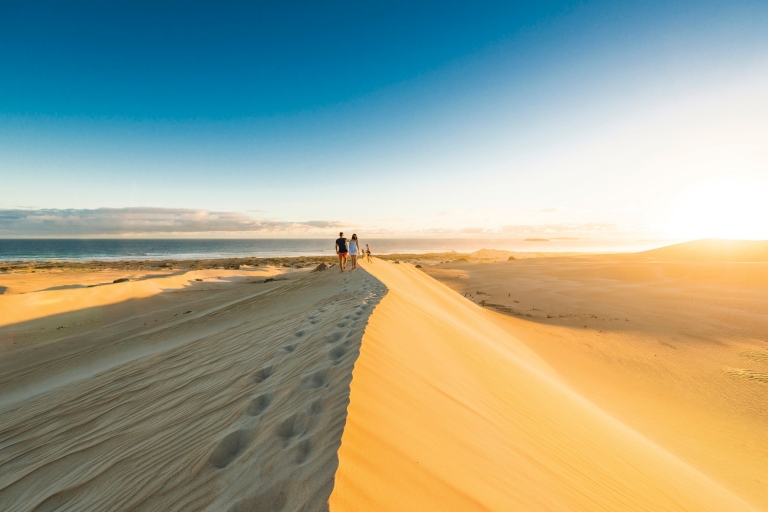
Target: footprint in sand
[[295, 425], [334, 337], [336, 354], [262, 375], [316, 407], [258, 404], [315, 380], [229, 448], [302, 451]]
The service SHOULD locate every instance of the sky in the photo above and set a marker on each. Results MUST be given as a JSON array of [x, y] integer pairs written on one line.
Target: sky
[[610, 120]]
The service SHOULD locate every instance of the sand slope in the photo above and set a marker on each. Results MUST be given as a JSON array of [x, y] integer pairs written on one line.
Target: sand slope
[[237, 406], [675, 349], [23, 307], [714, 249], [449, 412]]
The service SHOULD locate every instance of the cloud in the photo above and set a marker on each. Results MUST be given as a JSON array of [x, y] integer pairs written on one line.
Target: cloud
[[16, 206], [472, 231], [323, 224], [143, 221], [184, 222]]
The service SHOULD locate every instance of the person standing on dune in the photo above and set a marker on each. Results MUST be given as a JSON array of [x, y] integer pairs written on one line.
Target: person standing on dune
[[368, 253], [354, 250], [342, 251]]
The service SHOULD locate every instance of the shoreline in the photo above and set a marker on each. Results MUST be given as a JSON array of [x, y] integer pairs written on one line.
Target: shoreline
[[43, 266]]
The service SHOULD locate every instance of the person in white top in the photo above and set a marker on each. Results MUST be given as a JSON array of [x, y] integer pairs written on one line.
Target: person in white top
[[354, 250]]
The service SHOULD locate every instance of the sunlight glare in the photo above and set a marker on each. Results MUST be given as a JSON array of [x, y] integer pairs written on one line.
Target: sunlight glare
[[721, 208]]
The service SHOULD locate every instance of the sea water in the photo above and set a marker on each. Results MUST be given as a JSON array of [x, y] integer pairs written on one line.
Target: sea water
[[154, 249]]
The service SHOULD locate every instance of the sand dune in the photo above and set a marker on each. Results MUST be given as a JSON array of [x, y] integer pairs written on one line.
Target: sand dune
[[714, 249], [450, 412], [220, 390], [68, 292], [239, 405], [676, 350]]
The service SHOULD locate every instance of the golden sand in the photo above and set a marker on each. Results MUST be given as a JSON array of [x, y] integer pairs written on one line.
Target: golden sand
[[627, 382], [450, 412]]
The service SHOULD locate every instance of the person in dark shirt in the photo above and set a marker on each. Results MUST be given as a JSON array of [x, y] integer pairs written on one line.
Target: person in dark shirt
[[342, 251]]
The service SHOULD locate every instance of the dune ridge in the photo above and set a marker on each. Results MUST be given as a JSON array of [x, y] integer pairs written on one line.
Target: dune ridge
[[449, 412]]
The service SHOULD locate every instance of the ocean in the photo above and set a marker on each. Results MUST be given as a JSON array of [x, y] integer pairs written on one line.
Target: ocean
[[180, 249]]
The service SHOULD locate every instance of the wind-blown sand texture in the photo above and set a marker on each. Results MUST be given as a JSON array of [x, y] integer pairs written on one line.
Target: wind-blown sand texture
[[677, 350], [224, 394], [577, 383], [448, 411]]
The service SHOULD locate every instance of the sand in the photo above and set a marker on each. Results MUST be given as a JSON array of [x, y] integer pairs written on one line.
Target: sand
[[451, 412], [175, 394], [627, 382], [713, 249], [35, 296], [675, 349]]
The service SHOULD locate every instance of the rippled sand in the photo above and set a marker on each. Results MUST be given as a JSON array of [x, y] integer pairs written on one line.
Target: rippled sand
[[573, 383], [220, 394]]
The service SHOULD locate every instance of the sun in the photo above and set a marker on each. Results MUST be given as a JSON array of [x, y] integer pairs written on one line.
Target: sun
[[722, 207]]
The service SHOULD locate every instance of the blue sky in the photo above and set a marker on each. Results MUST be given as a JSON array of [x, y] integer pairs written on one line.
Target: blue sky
[[596, 119]]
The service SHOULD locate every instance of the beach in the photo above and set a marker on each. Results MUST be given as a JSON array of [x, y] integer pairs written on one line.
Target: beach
[[417, 382]]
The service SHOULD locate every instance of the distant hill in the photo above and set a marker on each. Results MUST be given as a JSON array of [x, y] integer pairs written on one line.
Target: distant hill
[[491, 254], [713, 249]]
